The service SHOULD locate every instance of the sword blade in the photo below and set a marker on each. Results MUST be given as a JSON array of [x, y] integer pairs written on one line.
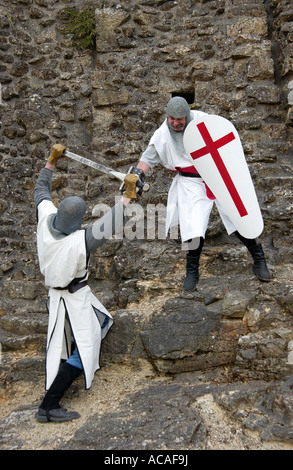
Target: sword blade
[[95, 165]]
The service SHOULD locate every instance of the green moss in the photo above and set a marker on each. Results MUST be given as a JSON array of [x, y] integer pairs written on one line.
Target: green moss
[[82, 26]]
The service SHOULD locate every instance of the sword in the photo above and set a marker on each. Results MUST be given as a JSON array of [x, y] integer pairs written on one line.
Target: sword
[[103, 168], [97, 166]]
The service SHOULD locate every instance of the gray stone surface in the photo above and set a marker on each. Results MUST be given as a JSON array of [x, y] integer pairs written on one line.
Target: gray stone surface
[[229, 58]]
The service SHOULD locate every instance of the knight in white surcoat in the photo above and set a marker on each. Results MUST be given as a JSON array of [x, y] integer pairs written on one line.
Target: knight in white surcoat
[[76, 317], [190, 201]]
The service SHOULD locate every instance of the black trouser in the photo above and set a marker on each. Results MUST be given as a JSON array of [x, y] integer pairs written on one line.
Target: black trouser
[[198, 250], [249, 243]]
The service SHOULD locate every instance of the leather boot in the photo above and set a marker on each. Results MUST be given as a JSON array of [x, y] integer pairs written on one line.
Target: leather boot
[[192, 275], [260, 268], [50, 409]]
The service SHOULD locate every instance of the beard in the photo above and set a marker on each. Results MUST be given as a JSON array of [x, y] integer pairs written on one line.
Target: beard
[[178, 128], [177, 135]]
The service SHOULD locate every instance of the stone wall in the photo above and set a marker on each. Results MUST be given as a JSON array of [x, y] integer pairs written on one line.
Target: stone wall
[[232, 58]]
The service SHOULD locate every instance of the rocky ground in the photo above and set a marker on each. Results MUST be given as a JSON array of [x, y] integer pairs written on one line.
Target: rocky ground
[[131, 408], [144, 401]]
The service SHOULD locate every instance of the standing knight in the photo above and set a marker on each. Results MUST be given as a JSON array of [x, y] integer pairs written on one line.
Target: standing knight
[[190, 201]]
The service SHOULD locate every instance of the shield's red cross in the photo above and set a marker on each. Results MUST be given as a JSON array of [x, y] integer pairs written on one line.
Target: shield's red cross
[[212, 148]]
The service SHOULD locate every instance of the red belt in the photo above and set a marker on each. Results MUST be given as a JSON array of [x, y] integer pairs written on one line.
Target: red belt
[[192, 173], [188, 169]]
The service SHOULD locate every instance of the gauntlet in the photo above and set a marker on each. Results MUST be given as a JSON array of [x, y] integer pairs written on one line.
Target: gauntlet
[[141, 180], [56, 153], [130, 186]]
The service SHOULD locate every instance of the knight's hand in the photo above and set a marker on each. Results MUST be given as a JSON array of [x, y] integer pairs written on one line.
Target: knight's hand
[[141, 180], [56, 153], [130, 182]]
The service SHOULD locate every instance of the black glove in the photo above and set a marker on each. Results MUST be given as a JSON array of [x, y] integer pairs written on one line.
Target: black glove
[[141, 180]]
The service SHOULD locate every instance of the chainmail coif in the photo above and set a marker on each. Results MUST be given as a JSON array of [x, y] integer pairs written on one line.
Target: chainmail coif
[[69, 215], [178, 108]]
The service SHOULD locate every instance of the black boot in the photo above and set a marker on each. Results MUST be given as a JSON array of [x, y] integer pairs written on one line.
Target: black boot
[[192, 263], [260, 268], [192, 275], [50, 409]]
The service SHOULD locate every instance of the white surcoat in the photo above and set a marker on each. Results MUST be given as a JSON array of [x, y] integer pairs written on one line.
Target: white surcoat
[[188, 204], [79, 313]]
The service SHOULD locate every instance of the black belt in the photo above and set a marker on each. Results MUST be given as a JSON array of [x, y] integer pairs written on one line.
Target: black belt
[[191, 175], [73, 286]]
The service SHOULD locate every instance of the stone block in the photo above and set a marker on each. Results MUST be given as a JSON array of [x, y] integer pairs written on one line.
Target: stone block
[[187, 336], [109, 97], [248, 27], [108, 20]]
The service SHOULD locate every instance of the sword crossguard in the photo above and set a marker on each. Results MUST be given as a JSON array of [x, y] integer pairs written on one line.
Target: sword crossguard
[[140, 186]]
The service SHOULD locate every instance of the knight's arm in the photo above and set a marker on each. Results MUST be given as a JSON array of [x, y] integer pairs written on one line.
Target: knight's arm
[[105, 227], [43, 187], [148, 159]]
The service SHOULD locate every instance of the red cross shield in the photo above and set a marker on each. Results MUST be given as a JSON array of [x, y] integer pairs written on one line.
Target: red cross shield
[[215, 149]]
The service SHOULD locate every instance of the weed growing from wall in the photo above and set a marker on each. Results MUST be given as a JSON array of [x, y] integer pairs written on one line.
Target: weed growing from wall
[[82, 26]]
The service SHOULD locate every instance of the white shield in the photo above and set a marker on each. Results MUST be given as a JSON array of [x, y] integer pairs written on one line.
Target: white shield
[[216, 152]]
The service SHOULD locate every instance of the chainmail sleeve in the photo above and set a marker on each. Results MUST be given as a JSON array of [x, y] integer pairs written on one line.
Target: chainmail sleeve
[[43, 187], [105, 227]]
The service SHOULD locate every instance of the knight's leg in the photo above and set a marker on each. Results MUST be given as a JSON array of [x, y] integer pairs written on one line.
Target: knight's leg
[[260, 268], [192, 265], [50, 409]]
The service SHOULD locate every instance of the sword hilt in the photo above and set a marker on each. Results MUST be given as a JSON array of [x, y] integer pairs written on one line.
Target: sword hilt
[[140, 187]]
